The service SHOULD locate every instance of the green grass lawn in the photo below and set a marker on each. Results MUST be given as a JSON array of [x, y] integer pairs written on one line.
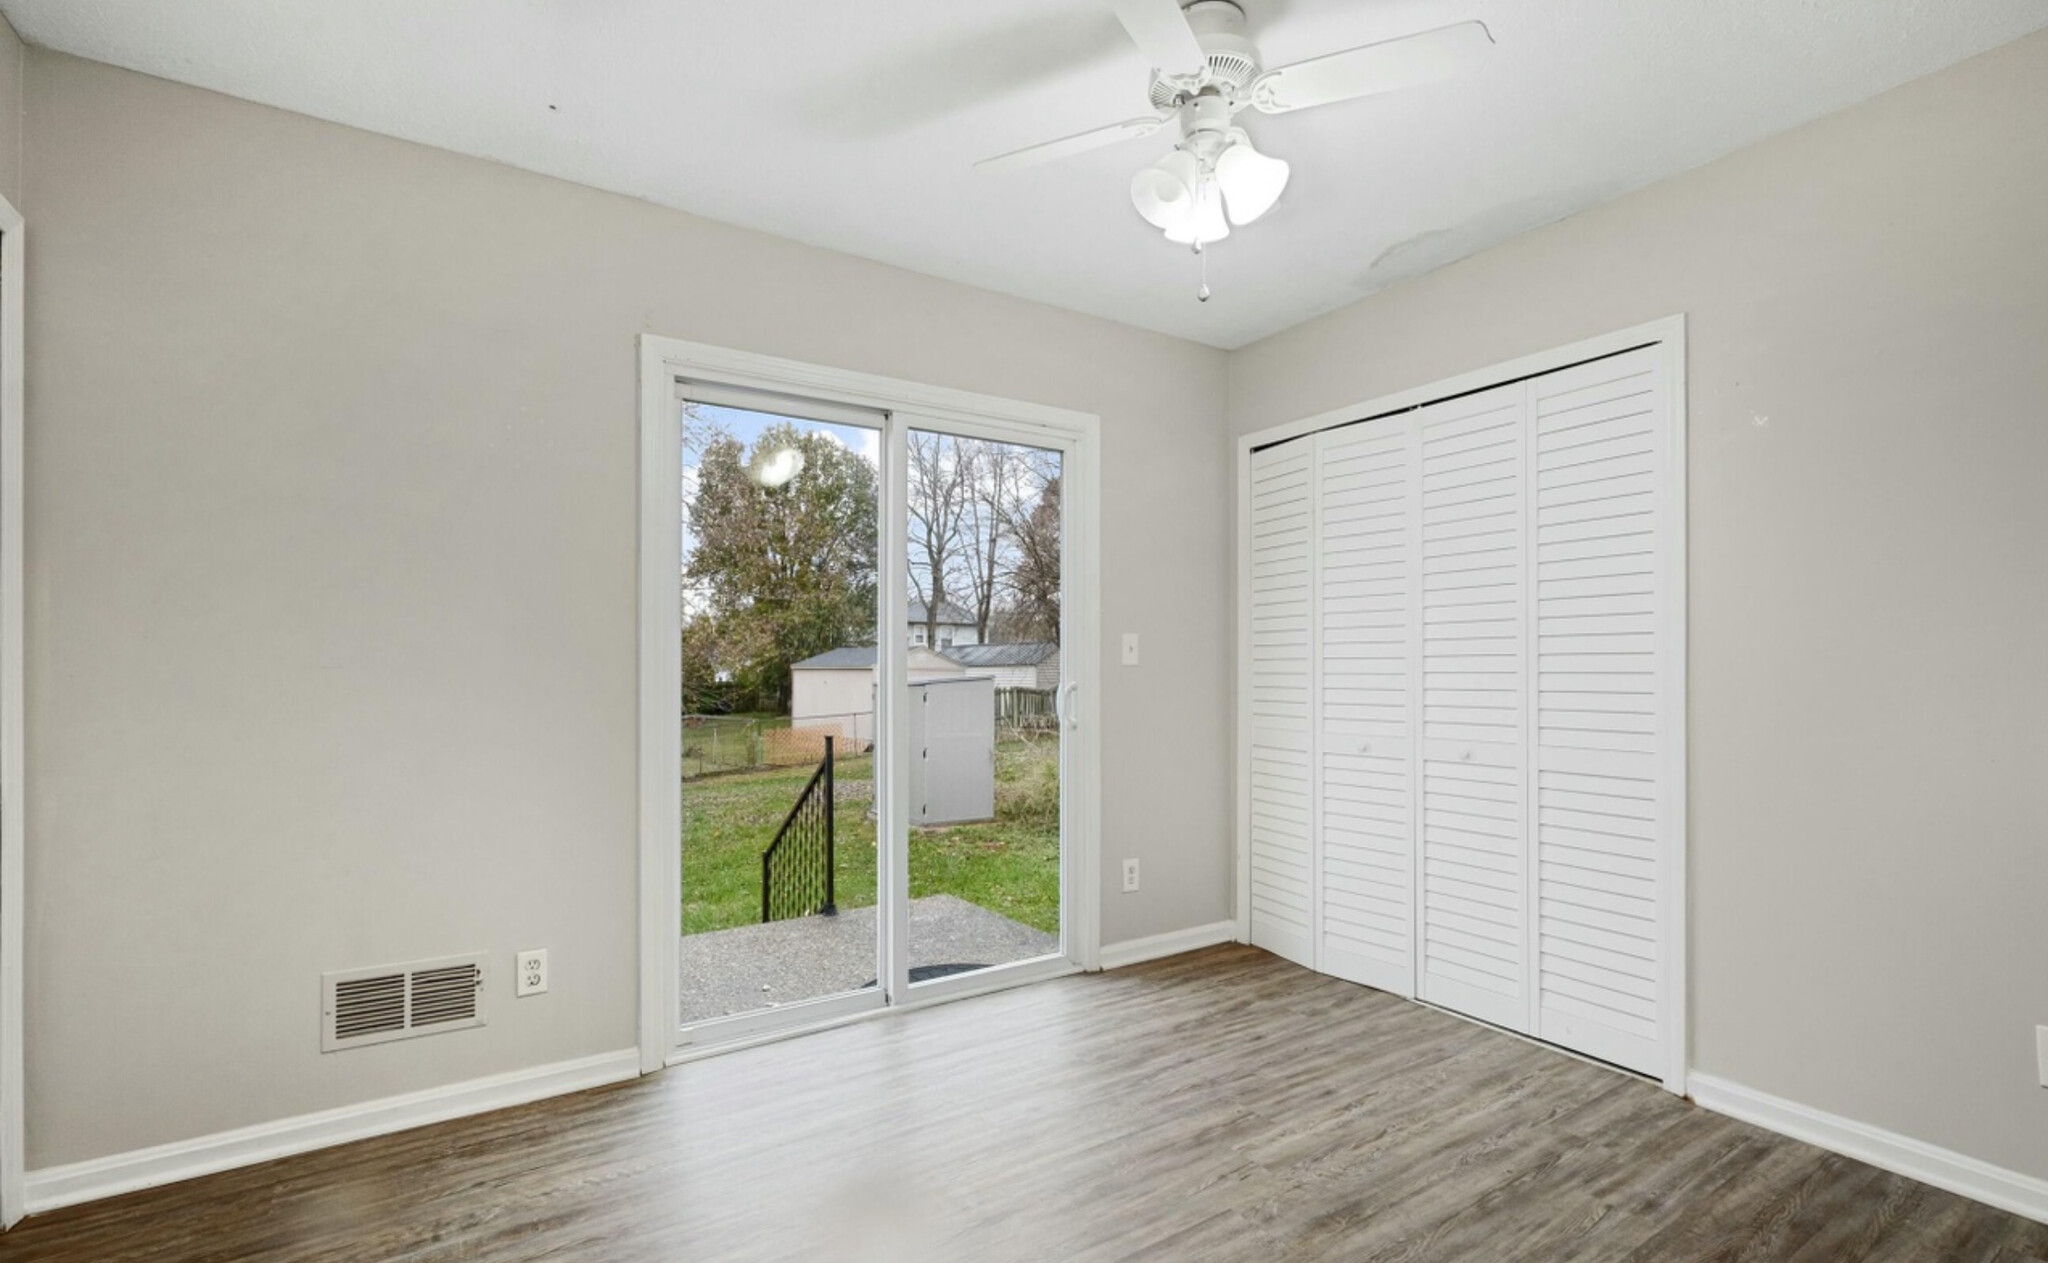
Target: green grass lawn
[[1008, 865]]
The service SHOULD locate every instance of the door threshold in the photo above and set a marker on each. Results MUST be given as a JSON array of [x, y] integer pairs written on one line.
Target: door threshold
[[923, 995]]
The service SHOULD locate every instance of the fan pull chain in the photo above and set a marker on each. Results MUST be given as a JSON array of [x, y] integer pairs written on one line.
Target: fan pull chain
[[1202, 294]]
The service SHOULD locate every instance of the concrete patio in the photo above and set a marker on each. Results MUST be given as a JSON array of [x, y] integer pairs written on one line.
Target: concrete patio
[[779, 962]]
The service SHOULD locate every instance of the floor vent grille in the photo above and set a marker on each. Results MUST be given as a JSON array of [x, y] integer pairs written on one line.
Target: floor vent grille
[[372, 1006]]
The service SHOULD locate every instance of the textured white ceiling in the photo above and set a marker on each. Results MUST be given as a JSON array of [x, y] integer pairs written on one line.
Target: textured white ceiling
[[853, 125]]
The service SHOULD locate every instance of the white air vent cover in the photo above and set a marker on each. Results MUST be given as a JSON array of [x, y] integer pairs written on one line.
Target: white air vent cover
[[372, 1006]]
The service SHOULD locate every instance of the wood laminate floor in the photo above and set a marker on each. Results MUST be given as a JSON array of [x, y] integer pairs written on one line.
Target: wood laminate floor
[[1223, 1105]]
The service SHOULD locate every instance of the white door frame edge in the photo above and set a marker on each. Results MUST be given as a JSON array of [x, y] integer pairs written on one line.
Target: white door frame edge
[[13, 723]]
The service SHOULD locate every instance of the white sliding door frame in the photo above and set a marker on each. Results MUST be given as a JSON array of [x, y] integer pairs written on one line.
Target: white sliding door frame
[[1669, 336], [903, 406], [13, 1098]]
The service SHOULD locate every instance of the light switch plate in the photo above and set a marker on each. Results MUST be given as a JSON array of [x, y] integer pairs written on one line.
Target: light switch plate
[[1130, 649], [2041, 1052], [531, 977]]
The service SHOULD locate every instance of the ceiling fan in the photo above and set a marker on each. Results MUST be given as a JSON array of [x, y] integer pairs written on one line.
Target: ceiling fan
[[1205, 71]]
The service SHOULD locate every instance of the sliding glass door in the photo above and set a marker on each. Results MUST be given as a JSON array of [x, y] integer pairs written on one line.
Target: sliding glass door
[[984, 587], [875, 690], [778, 650]]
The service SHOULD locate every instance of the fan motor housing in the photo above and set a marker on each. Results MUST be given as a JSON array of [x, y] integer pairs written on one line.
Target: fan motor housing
[[1233, 60]]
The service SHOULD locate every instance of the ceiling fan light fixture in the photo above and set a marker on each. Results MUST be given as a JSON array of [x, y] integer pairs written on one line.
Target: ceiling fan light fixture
[[1251, 181], [1206, 70], [1206, 223], [1165, 192]]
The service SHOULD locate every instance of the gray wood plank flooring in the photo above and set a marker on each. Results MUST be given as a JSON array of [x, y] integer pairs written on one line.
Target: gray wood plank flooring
[[1222, 1105]]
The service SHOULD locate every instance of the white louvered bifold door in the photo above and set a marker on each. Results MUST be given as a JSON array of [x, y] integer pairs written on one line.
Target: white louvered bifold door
[[1474, 847], [1602, 584], [1464, 694], [1365, 594], [1279, 700]]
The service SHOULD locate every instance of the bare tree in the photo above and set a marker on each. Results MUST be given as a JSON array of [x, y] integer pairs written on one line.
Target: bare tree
[[1034, 580], [940, 488], [993, 507]]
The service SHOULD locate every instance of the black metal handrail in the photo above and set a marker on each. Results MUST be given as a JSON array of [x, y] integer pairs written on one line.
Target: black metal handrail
[[796, 869]]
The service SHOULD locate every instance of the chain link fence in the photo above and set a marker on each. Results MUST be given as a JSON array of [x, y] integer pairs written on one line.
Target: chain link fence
[[717, 745]]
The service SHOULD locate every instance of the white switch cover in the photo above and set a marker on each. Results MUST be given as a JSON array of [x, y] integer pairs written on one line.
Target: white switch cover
[[532, 976], [1130, 649], [2041, 1052], [1130, 876]]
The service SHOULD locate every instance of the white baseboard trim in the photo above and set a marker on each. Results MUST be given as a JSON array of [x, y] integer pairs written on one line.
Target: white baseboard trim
[[1172, 943], [1930, 1164], [95, 1178]]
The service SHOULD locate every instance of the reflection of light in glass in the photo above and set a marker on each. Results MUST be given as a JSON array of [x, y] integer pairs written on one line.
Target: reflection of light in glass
[[773, 469]]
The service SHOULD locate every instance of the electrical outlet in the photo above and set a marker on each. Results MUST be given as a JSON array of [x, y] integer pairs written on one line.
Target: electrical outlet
[[531, 978], [1130, 649], [1130, 876], [2041, 1052]]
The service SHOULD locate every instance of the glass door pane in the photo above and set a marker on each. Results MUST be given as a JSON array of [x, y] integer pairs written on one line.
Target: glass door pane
[[983, 677], [779, 653]]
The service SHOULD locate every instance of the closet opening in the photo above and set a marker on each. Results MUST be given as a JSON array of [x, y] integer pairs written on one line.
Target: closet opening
[[1461, 674]]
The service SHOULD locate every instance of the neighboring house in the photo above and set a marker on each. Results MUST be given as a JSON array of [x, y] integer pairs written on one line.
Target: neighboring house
[[1035, 665], [955, 626]]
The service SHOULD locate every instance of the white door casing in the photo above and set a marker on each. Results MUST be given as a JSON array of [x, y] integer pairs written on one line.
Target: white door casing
[[13, 813]]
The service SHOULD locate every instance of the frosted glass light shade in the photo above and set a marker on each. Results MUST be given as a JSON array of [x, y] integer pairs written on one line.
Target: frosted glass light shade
[[1206, 224], [1251, 181], [1164, 192]]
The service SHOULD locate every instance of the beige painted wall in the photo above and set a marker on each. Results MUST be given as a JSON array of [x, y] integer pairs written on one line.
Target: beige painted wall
[[13, 64], [332, 561], [1868, 308]]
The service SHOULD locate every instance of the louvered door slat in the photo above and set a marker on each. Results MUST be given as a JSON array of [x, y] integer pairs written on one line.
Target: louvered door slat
[[1600, 464], [1473, 611], [1366, 519], [1280, 701]]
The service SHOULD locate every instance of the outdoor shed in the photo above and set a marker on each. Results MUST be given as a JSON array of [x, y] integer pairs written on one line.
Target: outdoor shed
[[952, 750], [837, 688]]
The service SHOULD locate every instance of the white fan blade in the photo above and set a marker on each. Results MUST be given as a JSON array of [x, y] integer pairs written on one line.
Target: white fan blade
[[1129, 129], [1374, 68], [1161, 32]]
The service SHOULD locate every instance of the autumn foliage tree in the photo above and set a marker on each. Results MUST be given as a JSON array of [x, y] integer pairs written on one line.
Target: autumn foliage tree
[[778, 573]]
